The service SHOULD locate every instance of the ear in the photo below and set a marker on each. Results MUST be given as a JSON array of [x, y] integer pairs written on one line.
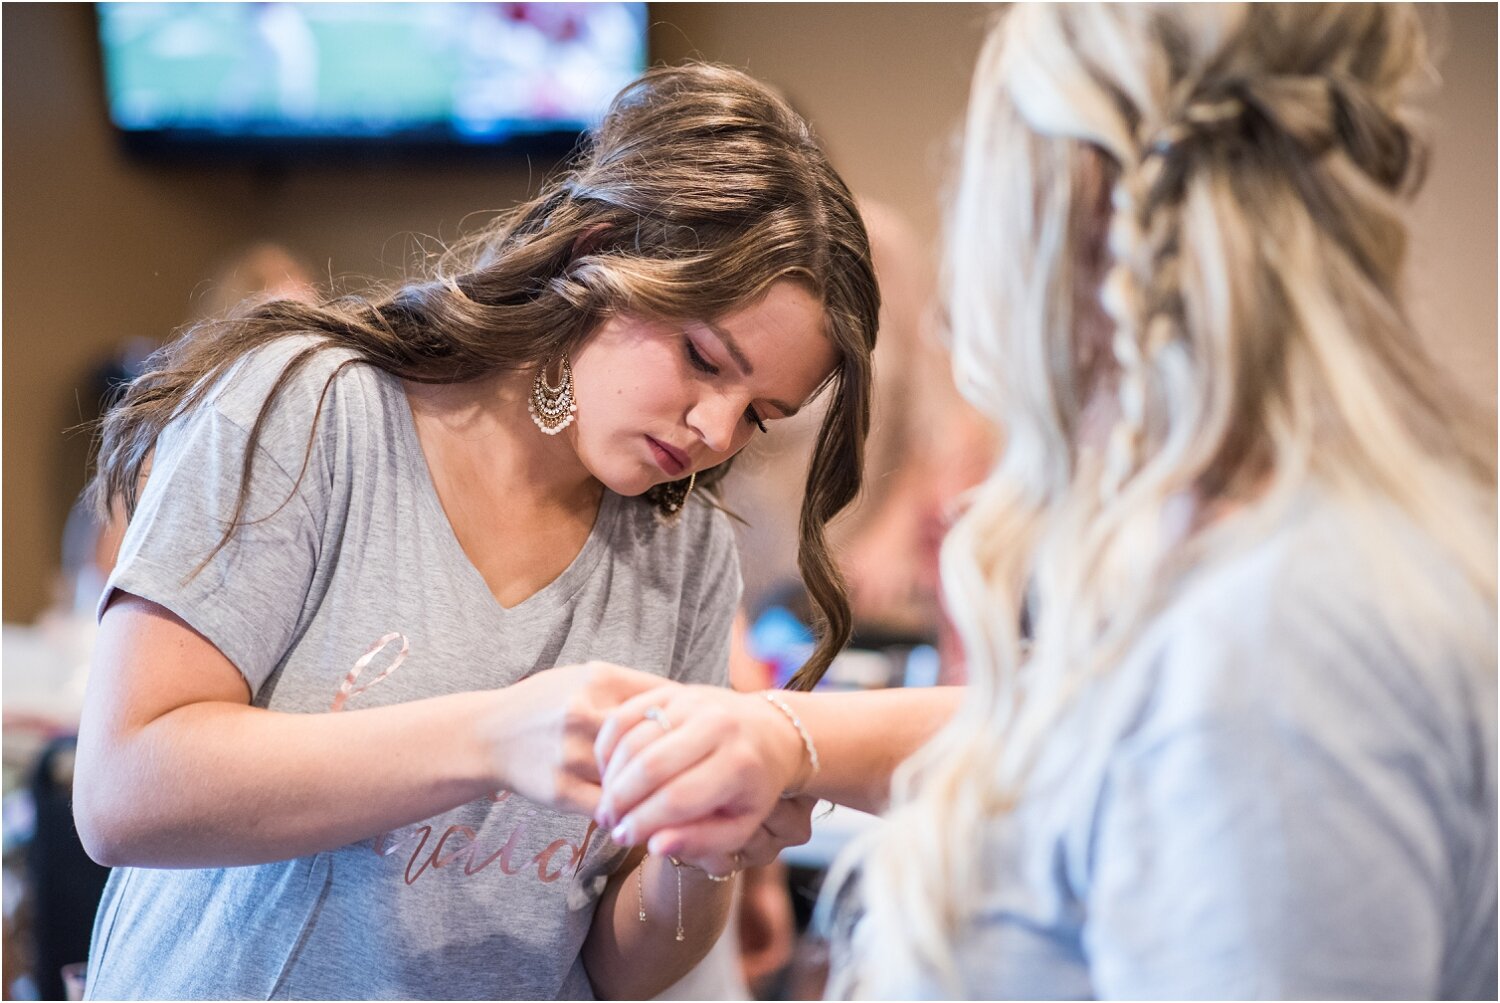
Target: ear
[[590, 240]]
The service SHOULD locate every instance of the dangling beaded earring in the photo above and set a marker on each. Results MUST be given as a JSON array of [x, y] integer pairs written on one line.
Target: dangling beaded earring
[[552, 408], [669, 498]]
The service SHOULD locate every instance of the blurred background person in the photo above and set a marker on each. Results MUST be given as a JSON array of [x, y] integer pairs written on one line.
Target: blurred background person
[[925, 448]]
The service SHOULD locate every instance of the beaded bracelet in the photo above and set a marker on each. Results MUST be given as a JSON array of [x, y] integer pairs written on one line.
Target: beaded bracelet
[[807, 742], [710, 875]]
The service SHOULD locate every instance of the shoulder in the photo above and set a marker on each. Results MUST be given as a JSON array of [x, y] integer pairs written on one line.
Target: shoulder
[[698, 548], [705, 530], [1303, 731], [295, 402], [1341, 626], [698, 528], [302, 377]]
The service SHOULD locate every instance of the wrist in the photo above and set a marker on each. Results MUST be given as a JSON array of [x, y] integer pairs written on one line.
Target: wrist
[[794, 765], [493, 730]]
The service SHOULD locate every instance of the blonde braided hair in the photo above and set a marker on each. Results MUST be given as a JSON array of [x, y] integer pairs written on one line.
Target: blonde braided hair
[[1220, 189]]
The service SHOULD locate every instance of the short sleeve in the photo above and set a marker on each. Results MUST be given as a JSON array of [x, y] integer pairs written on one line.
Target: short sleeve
[[1266, 850], [249, 597], [714, 580]]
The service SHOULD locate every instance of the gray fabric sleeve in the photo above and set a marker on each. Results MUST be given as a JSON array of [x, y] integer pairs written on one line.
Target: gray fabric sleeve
[[249, 597]]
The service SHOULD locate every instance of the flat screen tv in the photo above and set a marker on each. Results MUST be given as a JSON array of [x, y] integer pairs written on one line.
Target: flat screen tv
[[328, 77]]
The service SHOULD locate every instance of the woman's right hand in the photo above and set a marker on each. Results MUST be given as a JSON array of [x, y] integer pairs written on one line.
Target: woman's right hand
[[705, 784], [540, 732], [176, 768]]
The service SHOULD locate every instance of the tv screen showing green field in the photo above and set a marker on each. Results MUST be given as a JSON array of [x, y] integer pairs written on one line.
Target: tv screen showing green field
[[435, 71]]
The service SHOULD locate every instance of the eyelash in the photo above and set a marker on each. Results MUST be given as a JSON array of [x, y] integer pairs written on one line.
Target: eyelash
[[703, 365]]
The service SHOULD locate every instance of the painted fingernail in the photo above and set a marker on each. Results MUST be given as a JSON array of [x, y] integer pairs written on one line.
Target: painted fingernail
[[620, 835]]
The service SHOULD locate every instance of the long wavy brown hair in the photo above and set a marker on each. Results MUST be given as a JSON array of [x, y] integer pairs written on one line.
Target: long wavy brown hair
[[699, 189]]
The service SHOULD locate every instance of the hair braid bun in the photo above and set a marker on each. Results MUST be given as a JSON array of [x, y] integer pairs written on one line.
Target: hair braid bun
[[1314, 113], [1311, 114]]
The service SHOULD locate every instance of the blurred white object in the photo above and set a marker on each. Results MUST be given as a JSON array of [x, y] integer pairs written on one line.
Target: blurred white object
[[856, 669], [43, 670], [831, 832]]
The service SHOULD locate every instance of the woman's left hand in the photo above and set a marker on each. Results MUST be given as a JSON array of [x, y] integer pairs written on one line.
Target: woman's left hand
[[697, 772]]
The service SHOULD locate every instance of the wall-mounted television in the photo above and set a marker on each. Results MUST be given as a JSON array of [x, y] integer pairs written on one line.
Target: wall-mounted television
[[328, 77]]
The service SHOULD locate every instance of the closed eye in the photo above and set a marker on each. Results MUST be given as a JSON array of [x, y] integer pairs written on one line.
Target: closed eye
[[698, 361], [704, 366]]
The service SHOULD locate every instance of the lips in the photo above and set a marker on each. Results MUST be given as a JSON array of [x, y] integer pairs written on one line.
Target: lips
[[673, 461]]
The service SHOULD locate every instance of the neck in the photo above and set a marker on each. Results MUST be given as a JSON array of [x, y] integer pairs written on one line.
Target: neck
[[479, 431]]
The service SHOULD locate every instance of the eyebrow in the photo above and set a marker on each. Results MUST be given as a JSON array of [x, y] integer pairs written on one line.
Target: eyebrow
[[740, 359]]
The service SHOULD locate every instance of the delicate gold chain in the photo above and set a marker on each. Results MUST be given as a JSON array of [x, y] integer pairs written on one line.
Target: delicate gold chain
[[640, 894], [677, 869], [640, 888]]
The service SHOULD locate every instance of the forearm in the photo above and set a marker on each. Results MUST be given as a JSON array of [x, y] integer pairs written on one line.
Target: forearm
[[862, 737], [630, 958], [216, 784]]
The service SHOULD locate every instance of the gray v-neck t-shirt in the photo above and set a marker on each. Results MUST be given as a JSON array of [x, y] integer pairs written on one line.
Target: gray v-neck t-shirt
[[351, 591]]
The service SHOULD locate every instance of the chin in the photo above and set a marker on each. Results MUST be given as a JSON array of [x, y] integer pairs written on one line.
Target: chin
[[621, 472], [629, 483], [633, 490]]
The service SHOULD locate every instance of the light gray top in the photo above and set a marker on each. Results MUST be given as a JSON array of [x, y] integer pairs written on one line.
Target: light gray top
[[489, 901], [1286, 790]]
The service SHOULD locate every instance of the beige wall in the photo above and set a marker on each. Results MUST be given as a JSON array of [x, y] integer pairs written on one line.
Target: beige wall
[[1451, 282], [98, 247]]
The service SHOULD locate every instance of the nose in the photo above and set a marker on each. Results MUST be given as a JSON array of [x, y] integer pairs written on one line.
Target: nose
[[715, 420]]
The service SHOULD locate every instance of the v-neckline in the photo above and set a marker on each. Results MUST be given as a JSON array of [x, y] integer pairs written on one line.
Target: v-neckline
[[558, 589]]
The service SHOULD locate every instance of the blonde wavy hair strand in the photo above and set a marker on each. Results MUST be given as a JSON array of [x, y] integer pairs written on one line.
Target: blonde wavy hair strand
[[1193, 212]]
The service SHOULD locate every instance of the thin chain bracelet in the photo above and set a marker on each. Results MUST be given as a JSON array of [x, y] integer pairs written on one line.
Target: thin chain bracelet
[[710, 875], [807, 742], [640, 887], [640, 894]]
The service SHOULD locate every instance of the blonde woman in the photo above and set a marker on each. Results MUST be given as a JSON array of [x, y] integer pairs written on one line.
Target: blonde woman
[[1251, 751]]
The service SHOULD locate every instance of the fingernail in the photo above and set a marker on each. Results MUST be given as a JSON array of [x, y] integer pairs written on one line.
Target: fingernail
[[619, 835]]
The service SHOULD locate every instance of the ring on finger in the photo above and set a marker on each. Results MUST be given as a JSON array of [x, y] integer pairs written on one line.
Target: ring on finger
[[659, 716]]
